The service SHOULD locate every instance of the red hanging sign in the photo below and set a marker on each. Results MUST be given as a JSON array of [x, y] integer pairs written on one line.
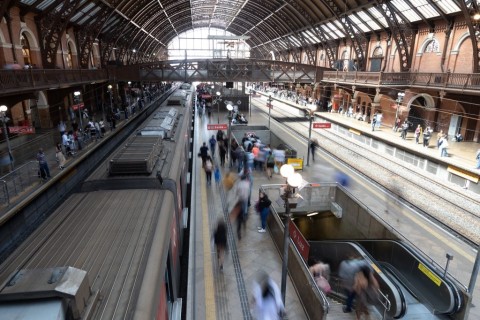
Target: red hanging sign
[[322, 125], [220, 126]]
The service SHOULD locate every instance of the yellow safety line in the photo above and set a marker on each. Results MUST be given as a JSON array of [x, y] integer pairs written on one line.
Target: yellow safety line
[[210, 306]]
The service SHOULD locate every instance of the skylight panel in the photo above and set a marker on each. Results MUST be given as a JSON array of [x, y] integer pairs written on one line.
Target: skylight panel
[[425, 8], [378, 16], [365, 17], [406, 11], [45, 4], [358, 24], [295, 41], [310, 37], [332, 31], [28, 2], [447, 6], [81, 14]]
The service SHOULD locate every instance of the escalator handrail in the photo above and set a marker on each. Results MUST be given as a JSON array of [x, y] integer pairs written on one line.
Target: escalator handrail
[[456, 296]]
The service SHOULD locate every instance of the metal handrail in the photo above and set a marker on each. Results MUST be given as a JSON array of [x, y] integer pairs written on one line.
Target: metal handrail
[[18, 180]]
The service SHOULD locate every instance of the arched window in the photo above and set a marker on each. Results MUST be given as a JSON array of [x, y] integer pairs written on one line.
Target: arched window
[[69, 57], [377, 53], [25, 49], [376, 59], [432, 47]]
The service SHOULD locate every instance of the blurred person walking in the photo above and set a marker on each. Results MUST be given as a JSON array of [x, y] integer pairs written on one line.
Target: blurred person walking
[[366, 289], [60, 156], [266, 298], [347, 271], [220, 240]]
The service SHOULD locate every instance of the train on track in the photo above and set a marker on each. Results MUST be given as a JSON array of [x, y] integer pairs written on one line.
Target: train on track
[[113, 249]]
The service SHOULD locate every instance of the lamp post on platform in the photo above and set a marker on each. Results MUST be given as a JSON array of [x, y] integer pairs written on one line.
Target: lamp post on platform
[[230, 116], [293, 181], [269, 105], [76, 99], [311, 109], [217, 101], [4, 118], [399, 100]]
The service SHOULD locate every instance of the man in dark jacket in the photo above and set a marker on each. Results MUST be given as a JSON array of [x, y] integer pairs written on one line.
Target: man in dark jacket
[[204, 153]]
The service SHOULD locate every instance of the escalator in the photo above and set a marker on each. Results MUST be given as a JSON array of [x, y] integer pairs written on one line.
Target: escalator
[[413, 288], [334, 252], [439, 294]]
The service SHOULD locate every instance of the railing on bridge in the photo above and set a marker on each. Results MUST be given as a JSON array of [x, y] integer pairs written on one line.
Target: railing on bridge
[[464, 82], [27, 80], [220, 70]]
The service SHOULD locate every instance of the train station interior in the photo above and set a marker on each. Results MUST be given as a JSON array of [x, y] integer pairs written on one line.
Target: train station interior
[[105, 107]]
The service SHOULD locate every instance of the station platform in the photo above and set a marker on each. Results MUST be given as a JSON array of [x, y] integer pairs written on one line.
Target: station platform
[[227, 292], [461, 154]]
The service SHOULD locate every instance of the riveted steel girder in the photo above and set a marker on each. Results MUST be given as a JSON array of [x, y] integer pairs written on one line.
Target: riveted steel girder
[[355, 35], [51, 26], [469, 9], [4, 7], [402, 33], [86, 35]]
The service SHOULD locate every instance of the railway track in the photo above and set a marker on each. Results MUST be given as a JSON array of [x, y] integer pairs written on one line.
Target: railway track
[[444, 203]]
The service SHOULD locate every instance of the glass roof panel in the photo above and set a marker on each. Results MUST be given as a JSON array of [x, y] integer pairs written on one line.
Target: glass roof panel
[[28, 2], [447, 6], [82, 12], [43, 5], [332, 30], [378, 16], [358, 24], [310, 37], [295, 41], [365, 17], [406, 11], [427, 10]]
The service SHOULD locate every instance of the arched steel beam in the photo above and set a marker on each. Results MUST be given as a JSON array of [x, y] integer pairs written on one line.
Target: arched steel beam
[[401, 32], [51, 25], [354, 34], [469, 9]]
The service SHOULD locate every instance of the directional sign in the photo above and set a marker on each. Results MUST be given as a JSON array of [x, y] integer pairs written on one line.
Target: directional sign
[[76, 106], [220, 126], [21, 129], [322, 125]]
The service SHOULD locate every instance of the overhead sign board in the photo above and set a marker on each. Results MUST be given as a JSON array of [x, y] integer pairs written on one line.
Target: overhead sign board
[[76, 106], [322, 125], [220, 126], [21, 129]]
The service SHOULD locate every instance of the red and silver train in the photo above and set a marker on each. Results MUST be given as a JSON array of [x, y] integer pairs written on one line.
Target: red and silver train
[[112, 249]]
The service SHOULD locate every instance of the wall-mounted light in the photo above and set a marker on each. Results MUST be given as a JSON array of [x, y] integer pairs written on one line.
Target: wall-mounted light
[[311, 214]]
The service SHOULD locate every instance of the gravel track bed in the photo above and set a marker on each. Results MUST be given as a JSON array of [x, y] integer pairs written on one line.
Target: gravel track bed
[[458, 213], [445, 202]]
